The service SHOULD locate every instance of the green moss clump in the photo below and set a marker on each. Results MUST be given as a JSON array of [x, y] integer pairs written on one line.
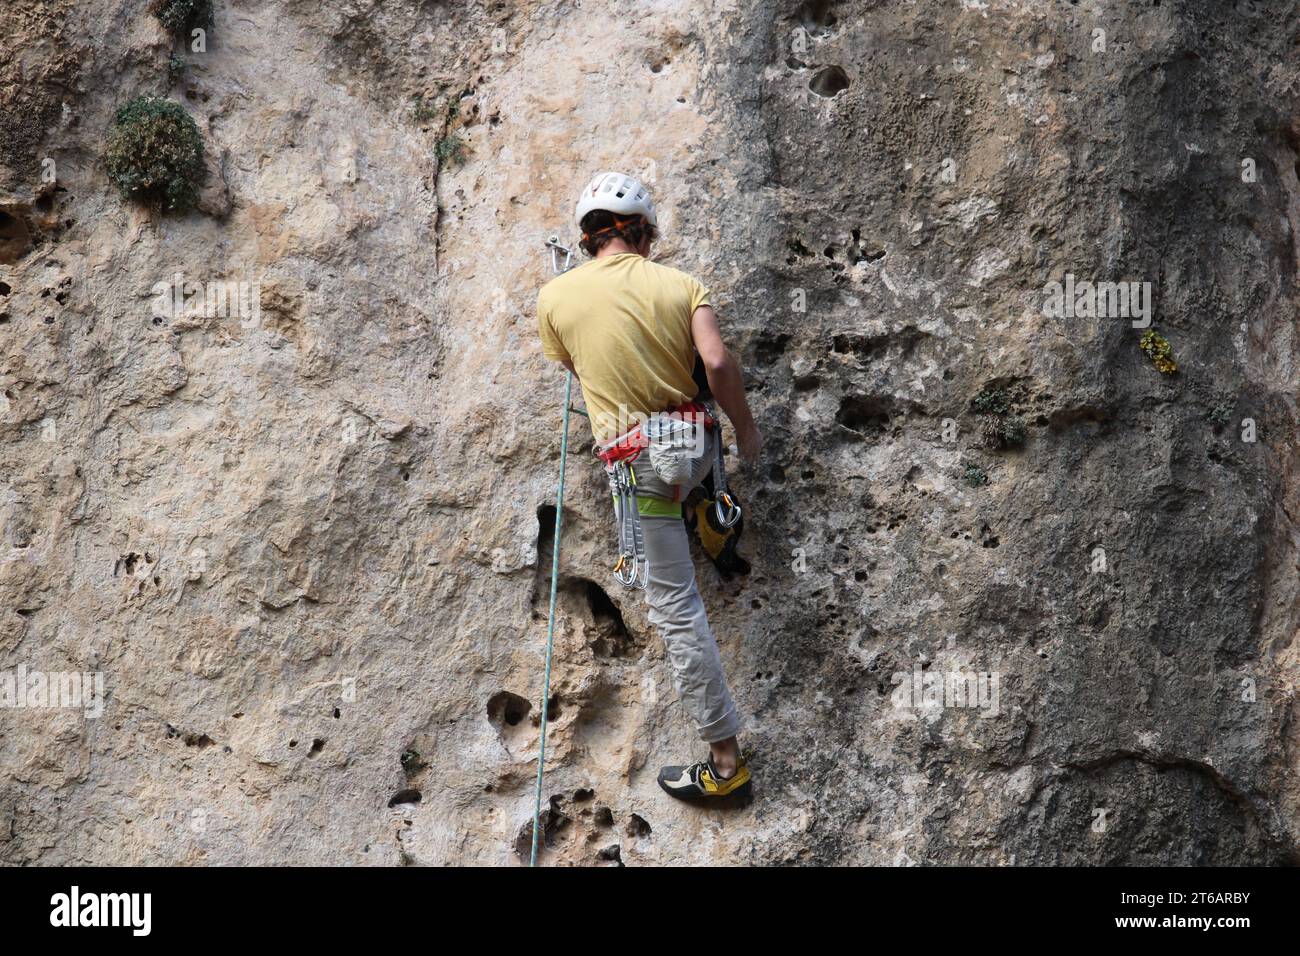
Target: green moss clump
[[178, 16], [1158, 349], [975, 476], [154, 154], [1219, 415], [995, 402]]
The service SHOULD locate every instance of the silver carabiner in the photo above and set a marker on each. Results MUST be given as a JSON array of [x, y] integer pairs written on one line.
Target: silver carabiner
[[728, 516], [553, 243]]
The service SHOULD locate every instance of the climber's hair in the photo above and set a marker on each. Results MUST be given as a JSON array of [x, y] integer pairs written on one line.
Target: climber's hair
[[600, 227]]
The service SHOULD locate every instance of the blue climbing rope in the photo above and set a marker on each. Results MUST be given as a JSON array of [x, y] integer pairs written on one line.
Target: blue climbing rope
[[550, 620]]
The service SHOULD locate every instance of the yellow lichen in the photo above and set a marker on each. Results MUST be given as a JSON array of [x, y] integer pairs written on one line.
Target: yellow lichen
[[1159, 351]]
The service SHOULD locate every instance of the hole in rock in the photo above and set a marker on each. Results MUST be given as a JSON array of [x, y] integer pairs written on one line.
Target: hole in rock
[[611, 853], [15, 239], [815, 13], [404, 796], [862, 346], [545, 542], [829, 81], [863, 414], [317, 746], [769, 348], [637, 827], [505, 709], [613, 638]]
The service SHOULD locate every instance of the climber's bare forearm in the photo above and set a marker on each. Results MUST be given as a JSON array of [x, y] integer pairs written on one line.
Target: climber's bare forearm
[[728, 387], [725, 380]]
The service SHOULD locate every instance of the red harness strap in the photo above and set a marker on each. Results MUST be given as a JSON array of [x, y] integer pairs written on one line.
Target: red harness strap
[[628, 446]]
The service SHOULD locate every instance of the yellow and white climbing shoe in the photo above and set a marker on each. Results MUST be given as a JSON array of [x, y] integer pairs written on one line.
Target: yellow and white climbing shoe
[[701, 781]]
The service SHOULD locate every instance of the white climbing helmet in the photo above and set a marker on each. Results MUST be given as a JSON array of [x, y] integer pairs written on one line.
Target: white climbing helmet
[[617, 193]]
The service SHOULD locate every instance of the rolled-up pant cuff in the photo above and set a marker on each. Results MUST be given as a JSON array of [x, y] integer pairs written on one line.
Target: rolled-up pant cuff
[[728, 725]]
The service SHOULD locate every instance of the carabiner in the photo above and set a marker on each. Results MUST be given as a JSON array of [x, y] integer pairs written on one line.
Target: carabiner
[[553, 243], [731, 514]]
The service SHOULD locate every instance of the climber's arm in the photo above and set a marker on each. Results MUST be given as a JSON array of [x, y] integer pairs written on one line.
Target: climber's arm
[[725, 380]]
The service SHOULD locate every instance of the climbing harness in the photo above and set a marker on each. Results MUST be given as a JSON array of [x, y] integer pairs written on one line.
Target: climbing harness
[[553, 243], [620, 455]]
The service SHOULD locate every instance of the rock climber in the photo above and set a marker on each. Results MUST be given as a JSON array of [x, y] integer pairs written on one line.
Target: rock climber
[[630, 329]]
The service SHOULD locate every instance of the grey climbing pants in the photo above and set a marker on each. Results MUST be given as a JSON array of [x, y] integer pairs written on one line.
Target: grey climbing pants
[[677, 612], [676, 608]]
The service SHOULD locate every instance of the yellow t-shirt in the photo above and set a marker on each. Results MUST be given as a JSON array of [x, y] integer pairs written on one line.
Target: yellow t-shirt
[[625, 324]]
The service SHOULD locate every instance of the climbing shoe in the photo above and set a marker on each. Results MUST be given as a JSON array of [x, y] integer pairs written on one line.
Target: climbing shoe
[[701, 781]]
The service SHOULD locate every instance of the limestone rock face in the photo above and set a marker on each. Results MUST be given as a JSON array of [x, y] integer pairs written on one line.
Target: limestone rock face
[[300, 527]]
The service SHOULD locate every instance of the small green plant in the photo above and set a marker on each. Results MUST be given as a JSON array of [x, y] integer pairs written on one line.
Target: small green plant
[[1219, 415], [975, 476], [154, 154], [412, 762], [421, 111], [175, 68], [1004, 432], [178, 16], [1158, 349], [999, 428], [994, 402], [450, 148]]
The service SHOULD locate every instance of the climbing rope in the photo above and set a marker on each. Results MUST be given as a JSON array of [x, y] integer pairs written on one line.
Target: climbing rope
[[550, 621], [553, 244]]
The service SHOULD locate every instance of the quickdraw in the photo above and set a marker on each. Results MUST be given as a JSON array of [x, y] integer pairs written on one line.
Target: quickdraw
[[725, 506], [631, 570]]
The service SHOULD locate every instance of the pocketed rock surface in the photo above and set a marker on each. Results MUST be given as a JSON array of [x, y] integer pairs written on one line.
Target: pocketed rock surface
[[307, 546]]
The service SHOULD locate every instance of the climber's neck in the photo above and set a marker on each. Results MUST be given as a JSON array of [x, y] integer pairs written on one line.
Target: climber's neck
[[619, 246]]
